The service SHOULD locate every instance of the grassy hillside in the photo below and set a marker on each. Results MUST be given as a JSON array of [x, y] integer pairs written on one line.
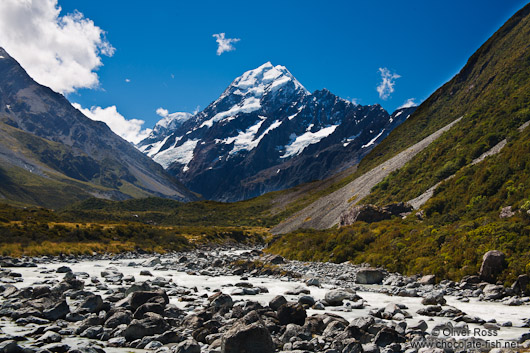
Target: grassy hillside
[[491, 92], [462, 220], [39, 231], [37, 171], [253, 212]]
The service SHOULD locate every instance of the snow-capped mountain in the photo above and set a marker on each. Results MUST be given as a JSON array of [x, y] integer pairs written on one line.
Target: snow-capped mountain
[[163, 128], [267, 132]]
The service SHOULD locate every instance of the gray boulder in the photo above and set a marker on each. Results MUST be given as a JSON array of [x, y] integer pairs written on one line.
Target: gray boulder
[[291, 313], [57, 311], [427, 279], [277, 301], [335, 297], [119, 318], [92, 304], [188, 346], [150, 325], [50, 337], [141, 297], [369, 276], [433, 298], [221, 301], [520, 286], [10, 346], [253, 338], [493, 292], [493, 263]]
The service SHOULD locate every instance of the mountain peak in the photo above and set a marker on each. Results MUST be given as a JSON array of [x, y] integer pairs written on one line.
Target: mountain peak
[[170, 121], [266, 77]]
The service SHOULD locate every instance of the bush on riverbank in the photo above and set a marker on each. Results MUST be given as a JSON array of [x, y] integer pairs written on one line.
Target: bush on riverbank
[[413, 247]]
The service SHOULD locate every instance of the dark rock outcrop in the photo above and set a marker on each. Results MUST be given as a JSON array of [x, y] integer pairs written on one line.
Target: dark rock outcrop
[[370, 213]]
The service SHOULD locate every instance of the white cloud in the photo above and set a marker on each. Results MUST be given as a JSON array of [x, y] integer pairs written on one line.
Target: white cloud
[[386, 87], [408, 103], [224, 44], [162, 112], [355, 101], [127, 80], [130, 130], [61, 52]]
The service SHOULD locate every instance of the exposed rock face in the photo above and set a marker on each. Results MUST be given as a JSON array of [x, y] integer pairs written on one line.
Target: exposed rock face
[[493, 263], [370, 276], [370, 213]]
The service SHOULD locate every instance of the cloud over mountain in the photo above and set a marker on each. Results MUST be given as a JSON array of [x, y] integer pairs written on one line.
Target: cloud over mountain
[[61, 52]]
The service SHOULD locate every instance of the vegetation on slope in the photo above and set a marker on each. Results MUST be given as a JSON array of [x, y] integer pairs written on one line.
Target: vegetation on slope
[[462, 220], [250, 213], [37, 231], [491, 92], [413, 247]]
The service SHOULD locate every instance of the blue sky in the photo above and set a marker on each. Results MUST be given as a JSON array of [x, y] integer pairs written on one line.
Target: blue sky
[[167, 52]]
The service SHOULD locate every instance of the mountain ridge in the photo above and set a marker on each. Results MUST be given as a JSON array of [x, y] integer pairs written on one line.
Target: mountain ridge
[[266, 132], [54, 136]]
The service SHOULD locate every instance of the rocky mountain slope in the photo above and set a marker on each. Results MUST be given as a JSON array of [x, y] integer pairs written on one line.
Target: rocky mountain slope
[[266, 132], [51, 154], [469, 185], [326, 212], [490, 95]]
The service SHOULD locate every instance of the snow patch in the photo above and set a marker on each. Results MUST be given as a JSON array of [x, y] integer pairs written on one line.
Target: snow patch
[[392, 118], [246, 140], [249, 105], [372, 141], [155, 147], [348, 140], [170, 121], [182, 154], [301, 142], [267, 76]]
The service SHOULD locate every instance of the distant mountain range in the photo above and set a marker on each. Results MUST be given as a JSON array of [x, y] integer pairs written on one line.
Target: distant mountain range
[[52, 155], [266, 132]]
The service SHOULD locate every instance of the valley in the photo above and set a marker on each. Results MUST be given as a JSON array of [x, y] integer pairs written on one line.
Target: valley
[[275, 219]]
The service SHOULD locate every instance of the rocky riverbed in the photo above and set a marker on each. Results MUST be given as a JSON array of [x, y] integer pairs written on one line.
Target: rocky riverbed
[[242, 300]]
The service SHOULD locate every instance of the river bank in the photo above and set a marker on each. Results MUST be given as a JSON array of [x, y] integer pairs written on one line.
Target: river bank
[[226, 299]]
